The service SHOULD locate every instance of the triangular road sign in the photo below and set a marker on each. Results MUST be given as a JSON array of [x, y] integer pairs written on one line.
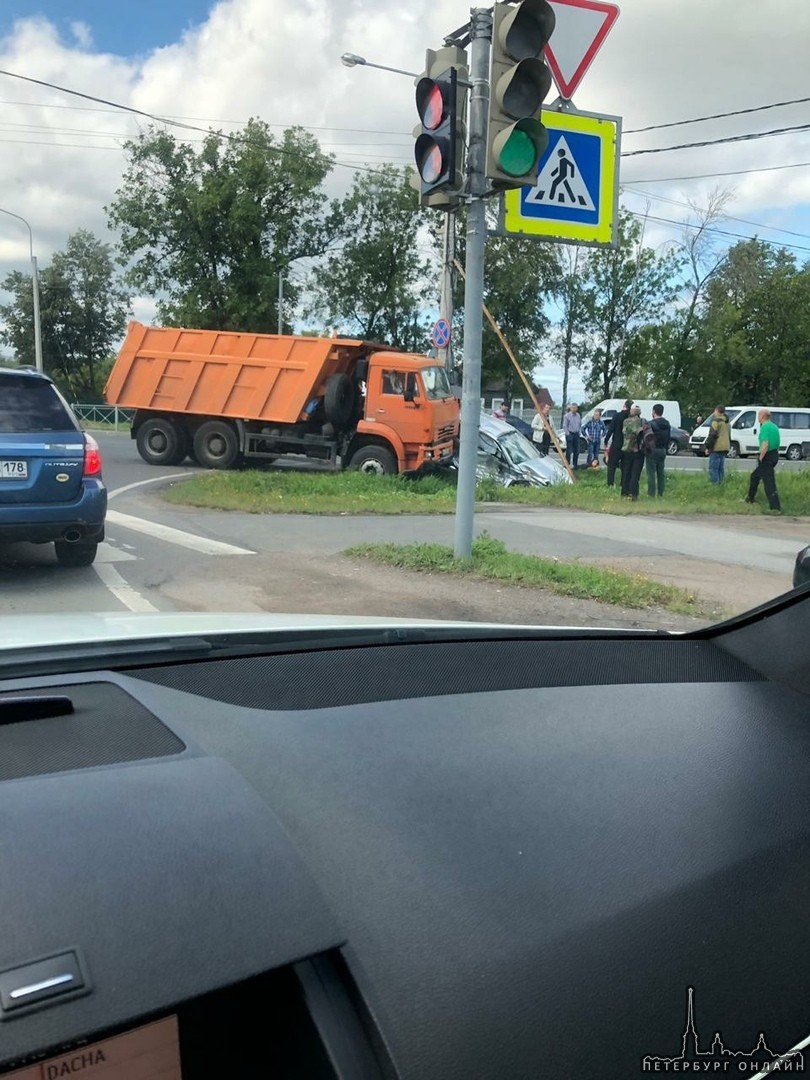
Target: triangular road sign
[[560, 181], [582, 26]]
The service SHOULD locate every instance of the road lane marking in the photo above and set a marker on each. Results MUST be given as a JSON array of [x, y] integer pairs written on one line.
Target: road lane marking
[[109, 554], [122, 590], [142, 483], [175, 536]]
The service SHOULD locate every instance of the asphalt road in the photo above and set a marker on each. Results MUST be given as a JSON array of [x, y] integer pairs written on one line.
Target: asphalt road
[[162, 557]]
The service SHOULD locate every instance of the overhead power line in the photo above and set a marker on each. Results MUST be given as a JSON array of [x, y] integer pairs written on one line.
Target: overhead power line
[[718, 116], [717, 142], [710, 175], [728, 217], [714, 231]]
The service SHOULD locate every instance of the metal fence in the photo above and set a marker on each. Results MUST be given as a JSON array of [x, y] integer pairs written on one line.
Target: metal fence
[[105, 416]]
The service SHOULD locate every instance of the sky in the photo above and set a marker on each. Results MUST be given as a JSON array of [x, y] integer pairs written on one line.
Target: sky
[[221, 63]]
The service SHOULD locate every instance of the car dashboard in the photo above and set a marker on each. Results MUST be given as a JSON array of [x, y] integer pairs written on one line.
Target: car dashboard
[[505, 857]]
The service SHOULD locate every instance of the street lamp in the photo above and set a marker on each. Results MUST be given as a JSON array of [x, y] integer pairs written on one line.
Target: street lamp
[[35, 282], [349, 59]]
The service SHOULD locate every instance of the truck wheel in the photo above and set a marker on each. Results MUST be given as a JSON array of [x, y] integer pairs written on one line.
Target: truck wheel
[[216, 445], [374, 461], [338, 401], [160, 442]]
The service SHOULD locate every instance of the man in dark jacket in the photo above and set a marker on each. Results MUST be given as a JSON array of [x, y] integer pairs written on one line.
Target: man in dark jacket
[[656, 461], [613, 442]]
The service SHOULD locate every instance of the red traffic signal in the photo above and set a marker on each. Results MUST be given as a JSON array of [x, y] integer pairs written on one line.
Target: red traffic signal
[[435, 149]]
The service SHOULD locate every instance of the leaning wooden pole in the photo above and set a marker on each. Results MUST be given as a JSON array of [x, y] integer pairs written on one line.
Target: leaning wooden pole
[[526, 382]]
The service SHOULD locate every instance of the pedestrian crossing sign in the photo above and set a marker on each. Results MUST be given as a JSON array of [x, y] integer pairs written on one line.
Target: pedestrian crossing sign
[[575, 199]]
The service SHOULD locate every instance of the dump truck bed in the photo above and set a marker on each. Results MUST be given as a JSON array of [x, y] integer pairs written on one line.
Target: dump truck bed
[[214, 373]]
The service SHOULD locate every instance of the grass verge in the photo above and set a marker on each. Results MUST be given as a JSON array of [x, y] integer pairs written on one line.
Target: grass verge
[[491, 561], [286, 492]]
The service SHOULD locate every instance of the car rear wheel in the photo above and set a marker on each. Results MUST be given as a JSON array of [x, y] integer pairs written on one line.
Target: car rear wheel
[[794, 452], [78, 554], [161, 442], [216, 445], [673, 446]]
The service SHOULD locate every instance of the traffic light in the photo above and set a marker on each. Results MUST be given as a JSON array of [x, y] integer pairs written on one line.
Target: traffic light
[[519, 83], [441, 103]]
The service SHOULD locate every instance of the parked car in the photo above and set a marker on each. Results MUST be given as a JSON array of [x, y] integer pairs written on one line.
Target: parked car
[[507, 457], [50, 471]]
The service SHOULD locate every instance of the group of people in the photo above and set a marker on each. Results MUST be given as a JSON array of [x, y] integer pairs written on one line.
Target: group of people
[[718, 444], [633, 443]]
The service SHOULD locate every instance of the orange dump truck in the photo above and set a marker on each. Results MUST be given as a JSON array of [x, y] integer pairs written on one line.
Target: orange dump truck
[[224, 398]]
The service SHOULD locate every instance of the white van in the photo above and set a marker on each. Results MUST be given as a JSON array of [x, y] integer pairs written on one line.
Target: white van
[[609, 407], [793, 424]]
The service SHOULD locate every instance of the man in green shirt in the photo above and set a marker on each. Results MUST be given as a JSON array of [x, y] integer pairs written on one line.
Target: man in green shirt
[[769, 442]]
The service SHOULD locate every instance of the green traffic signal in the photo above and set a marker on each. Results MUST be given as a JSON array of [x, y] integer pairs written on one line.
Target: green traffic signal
[[520, 82]]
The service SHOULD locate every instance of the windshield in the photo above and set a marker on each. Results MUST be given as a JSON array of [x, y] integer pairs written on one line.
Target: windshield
[[436, 384], [239, 284], [518, 447]]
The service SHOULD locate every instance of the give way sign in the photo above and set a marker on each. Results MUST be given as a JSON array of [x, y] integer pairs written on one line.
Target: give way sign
[[582, 26]]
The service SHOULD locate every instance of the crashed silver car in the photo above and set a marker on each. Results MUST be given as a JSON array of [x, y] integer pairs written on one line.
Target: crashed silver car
[[506, 456]]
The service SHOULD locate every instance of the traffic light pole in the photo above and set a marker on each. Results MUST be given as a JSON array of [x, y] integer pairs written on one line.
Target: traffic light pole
[[480, 38]]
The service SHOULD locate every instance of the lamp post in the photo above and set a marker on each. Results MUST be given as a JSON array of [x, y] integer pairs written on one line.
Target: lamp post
[[35, 282]]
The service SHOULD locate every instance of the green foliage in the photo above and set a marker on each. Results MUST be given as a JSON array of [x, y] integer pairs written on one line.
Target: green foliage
[[83, 313], [377, 285], [490, 560], [208, 233]]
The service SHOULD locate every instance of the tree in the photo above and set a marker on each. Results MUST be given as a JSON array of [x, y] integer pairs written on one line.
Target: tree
[[575, 295], [209, 233], [377, 284], [632, 285], [83, 314]]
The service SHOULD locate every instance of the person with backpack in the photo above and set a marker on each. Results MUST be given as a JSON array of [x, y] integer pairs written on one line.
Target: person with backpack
[[655, 439], [632, 456], [718, 444]]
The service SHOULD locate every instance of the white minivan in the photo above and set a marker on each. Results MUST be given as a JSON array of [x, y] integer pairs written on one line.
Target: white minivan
[[609, 407], [793, 424]]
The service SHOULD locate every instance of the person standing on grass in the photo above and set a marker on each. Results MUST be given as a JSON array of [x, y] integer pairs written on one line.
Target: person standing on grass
[[632, 455], [594, 432], [769, 443], [541, 436], [718, 444], [613, 442], [572, 425], [656, 461]]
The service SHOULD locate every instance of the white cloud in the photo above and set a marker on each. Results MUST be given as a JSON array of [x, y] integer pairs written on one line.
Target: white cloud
[[664, 60]]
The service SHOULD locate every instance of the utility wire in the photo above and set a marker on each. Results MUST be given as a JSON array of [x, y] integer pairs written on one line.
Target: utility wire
[[718, 116], [709, 176], [717, 142], [729, 217], [716, 232]]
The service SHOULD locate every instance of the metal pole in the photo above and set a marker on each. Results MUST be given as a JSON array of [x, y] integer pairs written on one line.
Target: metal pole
[[446, 301], [35, 286], [280, 301], [481, 35], [37, 319]]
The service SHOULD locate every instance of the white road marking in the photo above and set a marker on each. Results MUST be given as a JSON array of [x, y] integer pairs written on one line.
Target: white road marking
[[109, 554], [121, 590], [142, 483], [175, 536]]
